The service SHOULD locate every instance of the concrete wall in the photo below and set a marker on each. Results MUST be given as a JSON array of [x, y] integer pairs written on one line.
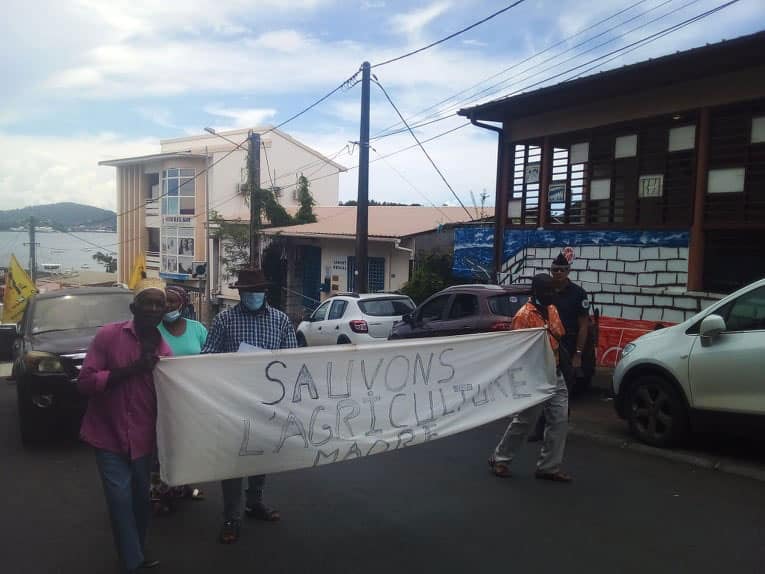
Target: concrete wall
[[635, 275]]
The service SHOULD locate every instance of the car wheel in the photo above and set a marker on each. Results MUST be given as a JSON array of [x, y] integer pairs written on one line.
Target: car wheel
[[301, 340], [31, 425], [343, 340], [656, 412]]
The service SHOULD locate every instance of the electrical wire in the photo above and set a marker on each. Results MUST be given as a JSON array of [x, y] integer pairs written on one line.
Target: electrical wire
[[410, 184], [450, 36], [430, 159], [494, 88], [515, 65]]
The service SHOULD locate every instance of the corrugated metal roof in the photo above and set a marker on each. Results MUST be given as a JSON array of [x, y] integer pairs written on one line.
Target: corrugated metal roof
[[384, 221]]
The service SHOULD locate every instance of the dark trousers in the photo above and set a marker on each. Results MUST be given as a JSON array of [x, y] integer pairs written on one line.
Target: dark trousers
[[126, 488], [232, 495]]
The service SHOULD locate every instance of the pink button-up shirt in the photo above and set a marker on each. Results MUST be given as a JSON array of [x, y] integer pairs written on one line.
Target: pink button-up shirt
[[121, 417]]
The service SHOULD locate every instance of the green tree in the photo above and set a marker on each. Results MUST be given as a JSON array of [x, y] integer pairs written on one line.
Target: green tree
[[108, 261], [305, 213], [432, 273]]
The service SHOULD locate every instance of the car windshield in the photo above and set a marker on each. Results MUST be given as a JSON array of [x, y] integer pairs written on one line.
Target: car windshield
[[507, 305], [80, 311], [386, 307]]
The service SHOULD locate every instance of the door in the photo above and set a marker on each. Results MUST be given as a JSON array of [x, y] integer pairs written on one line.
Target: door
[[311, 275], [462, 317], [728, 373], [375, 274], [430, 318], [316, 330], [333, 326]]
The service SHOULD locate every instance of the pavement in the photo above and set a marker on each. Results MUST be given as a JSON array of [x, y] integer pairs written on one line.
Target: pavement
[[593, 417], [430, 508]]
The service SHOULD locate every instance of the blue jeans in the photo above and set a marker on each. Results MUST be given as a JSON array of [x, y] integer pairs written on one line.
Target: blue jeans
[[126, 488]]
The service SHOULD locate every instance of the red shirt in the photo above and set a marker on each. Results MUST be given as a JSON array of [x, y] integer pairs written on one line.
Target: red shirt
[[529, 317], [121, 417]]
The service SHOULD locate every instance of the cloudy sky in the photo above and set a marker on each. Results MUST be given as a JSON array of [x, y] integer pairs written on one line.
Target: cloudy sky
[[88, 80]]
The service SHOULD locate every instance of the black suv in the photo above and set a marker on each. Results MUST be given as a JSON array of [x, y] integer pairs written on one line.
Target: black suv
[[49, 349]]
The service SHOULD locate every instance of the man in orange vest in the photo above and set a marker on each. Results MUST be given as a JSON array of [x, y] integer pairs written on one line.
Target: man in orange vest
[[539, 312]]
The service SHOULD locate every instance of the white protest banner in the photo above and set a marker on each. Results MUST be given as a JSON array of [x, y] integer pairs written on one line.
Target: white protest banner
[[239, 414]]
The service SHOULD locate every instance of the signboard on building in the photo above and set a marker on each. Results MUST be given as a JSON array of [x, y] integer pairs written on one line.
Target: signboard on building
[[557, 193], [532, 173], [178, 224], [651, 186]]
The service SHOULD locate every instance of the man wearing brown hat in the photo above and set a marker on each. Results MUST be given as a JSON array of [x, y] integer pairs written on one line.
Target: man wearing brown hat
[[253, 322]]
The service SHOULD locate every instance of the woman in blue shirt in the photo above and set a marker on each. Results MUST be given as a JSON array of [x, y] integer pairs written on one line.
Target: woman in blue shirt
[[185, 337]]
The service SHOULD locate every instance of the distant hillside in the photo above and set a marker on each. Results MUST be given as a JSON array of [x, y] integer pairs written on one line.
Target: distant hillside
[[68, 216]]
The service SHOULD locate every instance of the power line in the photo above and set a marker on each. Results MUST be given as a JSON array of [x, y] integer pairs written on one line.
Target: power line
[[324, 176], [347, 83], [450, 36], [644, 40], [430, 159], [639, 43], [408, 182], [515, 65], [494, 88]]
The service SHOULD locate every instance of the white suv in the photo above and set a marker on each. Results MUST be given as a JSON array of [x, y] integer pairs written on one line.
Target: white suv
[[353, 318], [708, 369]]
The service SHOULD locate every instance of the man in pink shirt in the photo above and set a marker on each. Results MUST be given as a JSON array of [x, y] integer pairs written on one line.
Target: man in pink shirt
[[121, 417]]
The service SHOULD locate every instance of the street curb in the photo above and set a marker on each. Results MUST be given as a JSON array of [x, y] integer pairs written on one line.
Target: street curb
[[705, 462]]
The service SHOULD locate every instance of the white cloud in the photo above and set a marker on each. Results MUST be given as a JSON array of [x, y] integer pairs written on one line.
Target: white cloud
[[240, 117], [411, 24], [288, 41], [46, 169]]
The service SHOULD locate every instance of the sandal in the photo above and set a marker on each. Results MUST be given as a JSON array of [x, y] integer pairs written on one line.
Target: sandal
[[557, 476], [262, 512], [500, 469], [229, 533]]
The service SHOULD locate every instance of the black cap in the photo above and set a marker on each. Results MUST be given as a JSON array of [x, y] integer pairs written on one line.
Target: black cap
[[561, 261]]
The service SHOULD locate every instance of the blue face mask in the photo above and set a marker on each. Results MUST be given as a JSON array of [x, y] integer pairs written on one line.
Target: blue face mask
[[252, 300], [172, 316]]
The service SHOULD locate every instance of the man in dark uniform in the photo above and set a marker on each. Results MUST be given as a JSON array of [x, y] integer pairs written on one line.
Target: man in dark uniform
[[574, 310]]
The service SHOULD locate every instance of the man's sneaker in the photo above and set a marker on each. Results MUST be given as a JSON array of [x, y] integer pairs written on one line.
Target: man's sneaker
[[149, 563], [229, 532]]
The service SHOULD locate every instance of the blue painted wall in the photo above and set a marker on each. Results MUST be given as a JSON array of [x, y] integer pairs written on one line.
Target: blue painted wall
[[473, 246]]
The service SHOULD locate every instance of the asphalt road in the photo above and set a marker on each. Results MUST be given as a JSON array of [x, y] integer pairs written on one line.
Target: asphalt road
[[431, 508]]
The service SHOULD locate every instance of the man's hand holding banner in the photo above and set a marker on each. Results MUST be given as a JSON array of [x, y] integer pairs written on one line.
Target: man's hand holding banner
[[240, 414]]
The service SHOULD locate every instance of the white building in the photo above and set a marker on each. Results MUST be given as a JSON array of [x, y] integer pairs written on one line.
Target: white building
[[164, 200]]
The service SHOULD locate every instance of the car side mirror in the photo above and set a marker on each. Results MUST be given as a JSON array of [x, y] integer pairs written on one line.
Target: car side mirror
[[711, 327], [307, 315]]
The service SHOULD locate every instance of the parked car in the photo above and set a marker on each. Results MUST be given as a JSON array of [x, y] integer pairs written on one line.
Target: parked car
[[353, 318], [463, 309], [705, 371], [49, 349]]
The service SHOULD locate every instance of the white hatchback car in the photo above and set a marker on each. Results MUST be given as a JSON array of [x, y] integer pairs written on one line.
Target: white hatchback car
[[707, 370], [353, 318]]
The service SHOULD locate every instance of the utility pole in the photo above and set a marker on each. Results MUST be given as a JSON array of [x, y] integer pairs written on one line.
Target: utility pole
[[253, 185], [32, 251], [362, 207]]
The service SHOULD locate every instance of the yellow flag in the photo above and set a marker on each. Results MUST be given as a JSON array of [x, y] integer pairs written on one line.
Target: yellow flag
[[18, 289], [138, 272]]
